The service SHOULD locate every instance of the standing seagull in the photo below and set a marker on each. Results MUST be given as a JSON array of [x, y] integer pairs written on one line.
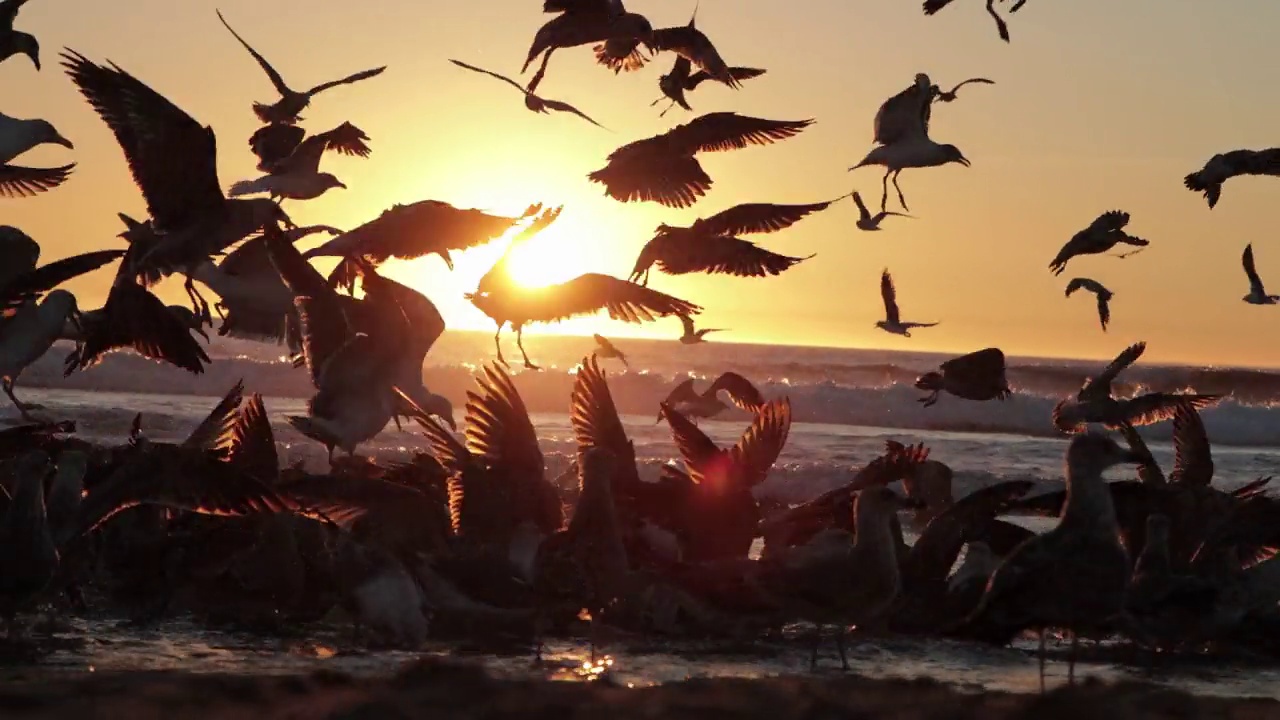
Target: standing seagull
[[606, 349], [291, 102], [902, 135], [867, 221], [892, 323], [13, 42], [663, 168], [1224, 166], [531, 101], [173, 160], [19, 136], [1103, 233], [691, 336], [1104, 296], [298, 176], [1257, 293]]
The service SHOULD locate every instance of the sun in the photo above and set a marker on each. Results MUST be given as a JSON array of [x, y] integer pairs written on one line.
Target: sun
[[561, 252]]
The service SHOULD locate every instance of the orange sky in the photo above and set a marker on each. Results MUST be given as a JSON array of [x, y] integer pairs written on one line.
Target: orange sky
[[1098, 105]]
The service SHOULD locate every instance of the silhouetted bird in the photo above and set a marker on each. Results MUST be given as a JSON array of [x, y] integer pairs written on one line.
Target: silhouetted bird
[[950, 95], [531, 100], [892, 322], [663, 168], [682, 79], [977, 376], [1103, 295], [1257, 292], [298, 176], [1104, 233], [686, 41], [867, 221], [691, 336], [606, 349], [1224, 166], [686, 401], [291, 103], [581, 22], [19, 136]]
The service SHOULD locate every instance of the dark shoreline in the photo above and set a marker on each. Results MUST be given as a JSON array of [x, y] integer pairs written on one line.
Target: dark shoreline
[[441, 689]]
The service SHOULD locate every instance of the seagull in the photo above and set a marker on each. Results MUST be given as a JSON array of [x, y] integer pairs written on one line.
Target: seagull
[[682, 79], [606, 349], [933, 6], [532, 101], [688, 42], [1257, 293], [978, 376], [19, 136], [13, 42], [1104, 297], [28, 334], [691, 336], [173, 162], [1074, 576], [950, 96], [291, 102], [1103, 233], [663, 168], [298, 176], [902, 137], [892, 322], [710, 245], [507, 302], [869, 222], [1224, 166], [688, 402], [20, 278], [582, 22], [1096, 404]]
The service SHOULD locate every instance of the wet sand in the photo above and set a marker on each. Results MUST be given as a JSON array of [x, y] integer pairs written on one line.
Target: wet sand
[[440, 689]]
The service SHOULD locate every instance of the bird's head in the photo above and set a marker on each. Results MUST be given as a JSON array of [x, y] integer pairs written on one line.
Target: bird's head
[[929, 381], [951, 153], [45, 132], [638, 26], [28, 45], [328, 180], [60, 306], [1094, 452], [440, 406]]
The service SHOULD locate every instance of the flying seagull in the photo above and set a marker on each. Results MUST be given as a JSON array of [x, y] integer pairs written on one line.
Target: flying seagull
[[14, 42], [606, 349], [1257, 293], [950, 95], [869, 222], [691, 336], [686, 41], [298, 176], [19, 136], [1103, 233], [978, 376], [682, 79], [892, 322], [173, 160], [663, 168], [902, 137], [531, 101], [291, 102], [582, 22], [1224, 166], [1104, 297]]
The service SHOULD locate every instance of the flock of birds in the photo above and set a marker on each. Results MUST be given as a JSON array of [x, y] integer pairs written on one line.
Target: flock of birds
[[473, 533]]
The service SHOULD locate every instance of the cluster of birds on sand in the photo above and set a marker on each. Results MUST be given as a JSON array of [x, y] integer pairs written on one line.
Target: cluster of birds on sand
[[472, 534]]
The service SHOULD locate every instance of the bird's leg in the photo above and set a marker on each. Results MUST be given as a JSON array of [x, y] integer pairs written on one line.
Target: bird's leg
[[198, 303], [542, 72], [1041, 655], [520, 344], [1017, 5], [664, 112], [23, 408], [1071, 658], [537, 637], [221, 309], [844, 658], [497, 344], [645, 281], [884, 196], [396, 418], [901, 199]]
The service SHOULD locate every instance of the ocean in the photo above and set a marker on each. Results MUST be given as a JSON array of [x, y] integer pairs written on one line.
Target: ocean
[[846, 404]]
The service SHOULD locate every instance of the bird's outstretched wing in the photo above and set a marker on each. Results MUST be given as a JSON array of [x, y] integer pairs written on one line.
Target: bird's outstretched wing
[[595, 422], [1102, 383], [979, 367], [1224, 166], [422, 315], [47, 277], [172, 157], [17, 181], [492, 74], [206, 435], [683, 392], [134, 318], [739, 74], [720, 254], [720, 131], [984, 81], [248, 442], [862, 208], [740, 391], [758, 218], [1255, 282], [276, 80], [591, 292], [903, 115], [890, 297], [357, 77], [1110, 221], [762, 443], [9, 12], [1193, 456], [346, 139], [1157, 407], [275, 142], [696, 449], [691, 43], [414, 230], [566, 107]]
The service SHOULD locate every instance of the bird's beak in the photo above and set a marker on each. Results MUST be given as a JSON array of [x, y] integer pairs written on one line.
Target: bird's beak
[[342, 185], [964, 161], [452, 425], [35, 59], [75, 320], [59, 140]]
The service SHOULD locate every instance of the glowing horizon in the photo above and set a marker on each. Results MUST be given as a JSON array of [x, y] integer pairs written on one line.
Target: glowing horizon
[[1053, 145]]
